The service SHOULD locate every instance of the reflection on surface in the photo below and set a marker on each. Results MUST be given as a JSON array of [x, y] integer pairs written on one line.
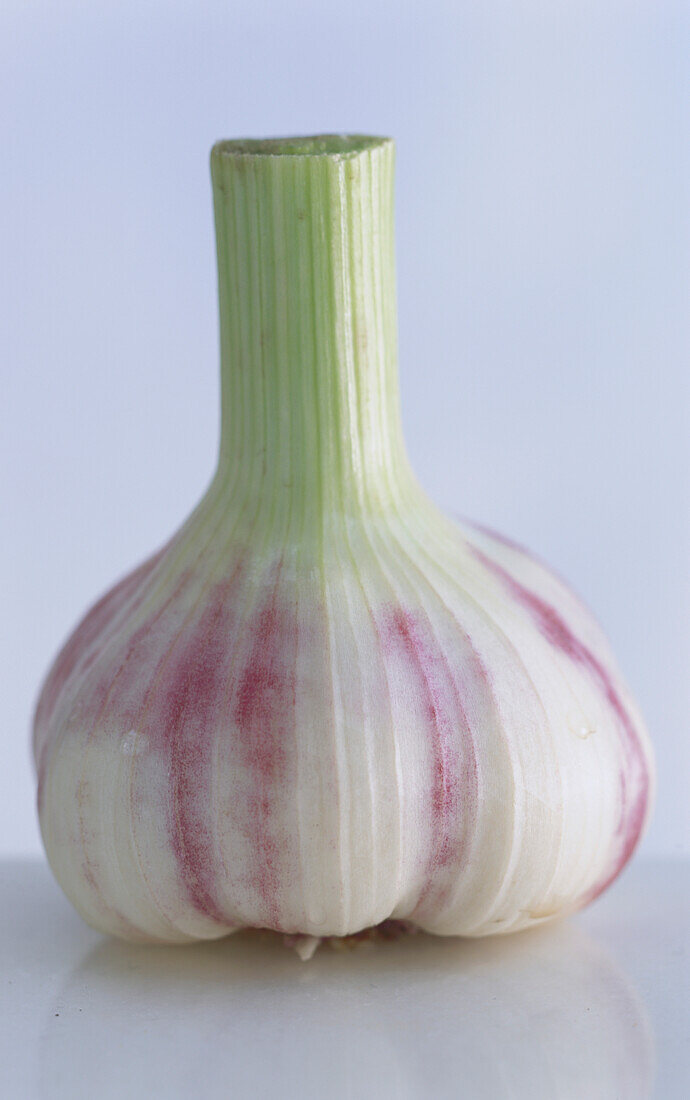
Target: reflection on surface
[[541, 1014]]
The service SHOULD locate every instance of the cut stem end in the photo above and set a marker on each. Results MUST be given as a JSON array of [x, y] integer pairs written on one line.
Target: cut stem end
[[318, 145]]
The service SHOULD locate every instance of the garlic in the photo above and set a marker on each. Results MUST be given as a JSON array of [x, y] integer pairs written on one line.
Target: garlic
[[324, 704]]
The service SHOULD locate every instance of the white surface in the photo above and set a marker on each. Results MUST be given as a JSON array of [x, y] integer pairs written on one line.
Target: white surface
[[542, 226], [596, 1008]]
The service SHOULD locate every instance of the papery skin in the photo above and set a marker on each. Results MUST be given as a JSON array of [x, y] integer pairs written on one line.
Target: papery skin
[[324, 704], [315, 751]]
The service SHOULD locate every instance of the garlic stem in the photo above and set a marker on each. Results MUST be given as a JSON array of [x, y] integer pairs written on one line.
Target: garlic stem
[[310, 411]]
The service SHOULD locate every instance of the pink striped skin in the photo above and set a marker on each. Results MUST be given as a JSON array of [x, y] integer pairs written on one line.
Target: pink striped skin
[[634, 774], [183, 705], [264, 716], [82, 648], [451, 796], [113, 695], [177, 681], [190, 690]]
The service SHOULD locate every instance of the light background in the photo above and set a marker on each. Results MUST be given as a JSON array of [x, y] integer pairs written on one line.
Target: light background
[[543, 259]]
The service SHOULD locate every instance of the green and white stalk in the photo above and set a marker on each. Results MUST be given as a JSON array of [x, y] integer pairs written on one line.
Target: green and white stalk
[[323, 704], [308, 328]]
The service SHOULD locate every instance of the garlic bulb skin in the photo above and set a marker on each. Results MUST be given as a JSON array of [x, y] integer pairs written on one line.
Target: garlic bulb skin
[[324, 704]]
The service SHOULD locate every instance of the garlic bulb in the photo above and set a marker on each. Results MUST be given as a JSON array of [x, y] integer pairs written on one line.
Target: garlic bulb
[[323, 704]]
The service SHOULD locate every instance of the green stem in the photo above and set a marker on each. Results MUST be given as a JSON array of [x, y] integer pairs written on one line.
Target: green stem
[[310, 408]]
